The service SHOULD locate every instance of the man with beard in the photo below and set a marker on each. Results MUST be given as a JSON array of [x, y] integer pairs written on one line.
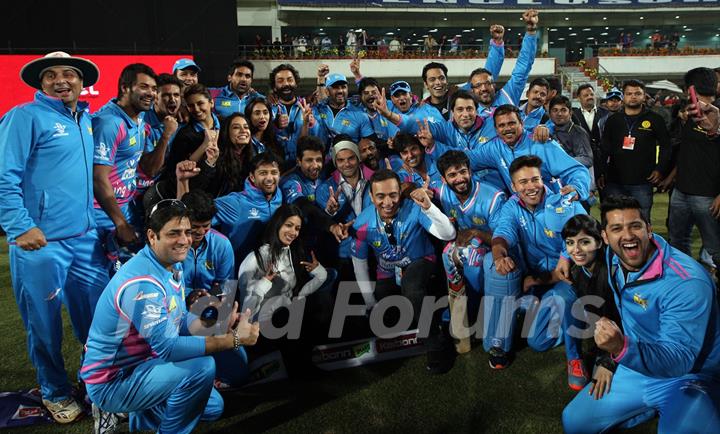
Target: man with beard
[[234, 97], [289, 110], [337, 116], [630, 141], [533, 111], [669, 352], [482, 80], [398, 232], [559, 170], [303, 180], [369, 91], [121, 144], [344, 195], [526, 246], [371, 159], [472, 206], [434, 74], [186, 70]]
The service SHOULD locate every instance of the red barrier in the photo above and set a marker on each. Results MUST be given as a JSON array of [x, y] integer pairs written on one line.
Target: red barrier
[[14, 91]]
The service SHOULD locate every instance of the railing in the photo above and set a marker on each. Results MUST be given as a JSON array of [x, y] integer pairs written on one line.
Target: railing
[[462, 51]]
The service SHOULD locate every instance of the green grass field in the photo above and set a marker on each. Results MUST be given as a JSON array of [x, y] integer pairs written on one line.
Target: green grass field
[[395, 396]]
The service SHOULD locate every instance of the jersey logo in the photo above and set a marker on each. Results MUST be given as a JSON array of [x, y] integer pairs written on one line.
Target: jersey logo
[[133, 141], [642, 302], [478, 220], [173, 305], [323, 116], [90, 130], [151, 312], [645, 124], [377, 243], [209, 265], [549, 233], [226, 103], [60, 130], [103, 151], [383, 122], [254, 213], [311, 197], [142, 296], [482, 139], [346, 123]]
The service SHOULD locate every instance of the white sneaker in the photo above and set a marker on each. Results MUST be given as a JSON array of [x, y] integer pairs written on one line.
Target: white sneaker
[[65, 411], [104, 422]]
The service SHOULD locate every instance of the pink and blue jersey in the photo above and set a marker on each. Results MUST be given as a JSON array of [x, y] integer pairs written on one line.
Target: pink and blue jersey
[[481, 210], [120, 143], [140, 316], [350, 120], [211, 262], [408, 231], [227, 102], [295, 185]]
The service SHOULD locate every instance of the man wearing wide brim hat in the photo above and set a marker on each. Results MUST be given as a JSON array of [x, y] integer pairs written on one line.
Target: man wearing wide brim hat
[[46, 208]]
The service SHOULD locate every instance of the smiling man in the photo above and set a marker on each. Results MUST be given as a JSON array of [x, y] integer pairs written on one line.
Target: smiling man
[[46, 209], [669, 353], [238, 92], [141, 355], [121, 144]]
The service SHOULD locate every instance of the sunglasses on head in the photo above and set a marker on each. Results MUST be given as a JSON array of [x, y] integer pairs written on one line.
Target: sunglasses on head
[[167, 203]]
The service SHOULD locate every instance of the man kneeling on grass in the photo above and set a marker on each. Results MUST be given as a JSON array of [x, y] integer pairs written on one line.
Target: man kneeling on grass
[[141, 358]]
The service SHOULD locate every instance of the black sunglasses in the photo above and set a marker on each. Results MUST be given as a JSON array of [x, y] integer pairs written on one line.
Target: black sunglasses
[[167, 203]]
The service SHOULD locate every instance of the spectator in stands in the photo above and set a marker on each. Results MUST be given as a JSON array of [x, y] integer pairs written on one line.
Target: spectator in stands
[[186, 70], [234, 97], [695, 199], [46, 191], [455, 44], [326, 44], [395, 46], [630, 139], [430, 45], [350, 43]]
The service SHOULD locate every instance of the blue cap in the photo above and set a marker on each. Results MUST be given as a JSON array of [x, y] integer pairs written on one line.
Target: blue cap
[[185, 64], [558, 210], [614, 93], [399, 86], [335, 78]]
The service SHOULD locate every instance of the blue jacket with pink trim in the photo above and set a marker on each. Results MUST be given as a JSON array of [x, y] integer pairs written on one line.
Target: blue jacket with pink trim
[[669, 312], [46, 169], [140, 315]]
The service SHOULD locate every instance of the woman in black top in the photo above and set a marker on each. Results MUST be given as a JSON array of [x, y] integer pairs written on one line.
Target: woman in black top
[[584, 245]]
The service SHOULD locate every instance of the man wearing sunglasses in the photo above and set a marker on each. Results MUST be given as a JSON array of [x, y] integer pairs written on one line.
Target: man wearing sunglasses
[[398, 232], [145, 354]]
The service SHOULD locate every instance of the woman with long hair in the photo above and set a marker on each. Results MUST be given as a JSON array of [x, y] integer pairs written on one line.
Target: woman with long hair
[[259, 114], [280, 270], [196, 141], [589, 275], [233, 164]]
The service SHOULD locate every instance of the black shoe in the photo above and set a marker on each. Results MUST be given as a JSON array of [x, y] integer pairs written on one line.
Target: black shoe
[[440, 353], [498, 359]]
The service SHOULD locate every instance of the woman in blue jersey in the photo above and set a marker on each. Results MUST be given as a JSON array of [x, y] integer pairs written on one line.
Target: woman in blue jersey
[[584, 246]]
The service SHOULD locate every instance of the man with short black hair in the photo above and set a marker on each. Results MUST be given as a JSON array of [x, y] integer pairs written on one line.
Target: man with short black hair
[[630, 140], [526, 246], [239, 91], [397, 232], [573, 139], [284, 80], [533, 111], [668, 351], [589, 115], [142, 357]]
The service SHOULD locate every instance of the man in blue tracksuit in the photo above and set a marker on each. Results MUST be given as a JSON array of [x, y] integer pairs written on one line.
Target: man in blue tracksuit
[[284, 80], [238, 93], [669, 355], [338, 116], [242, 215], [527, 243], [513, 141], [304, 179], [210, 259], [46, 149], [533, 111], [482, 80], [145, 354]]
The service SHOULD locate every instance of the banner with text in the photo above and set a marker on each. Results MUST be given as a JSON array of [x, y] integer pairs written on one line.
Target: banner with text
[[564, 4]]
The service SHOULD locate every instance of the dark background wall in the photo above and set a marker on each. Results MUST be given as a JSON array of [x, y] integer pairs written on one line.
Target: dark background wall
[[205, 28]]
